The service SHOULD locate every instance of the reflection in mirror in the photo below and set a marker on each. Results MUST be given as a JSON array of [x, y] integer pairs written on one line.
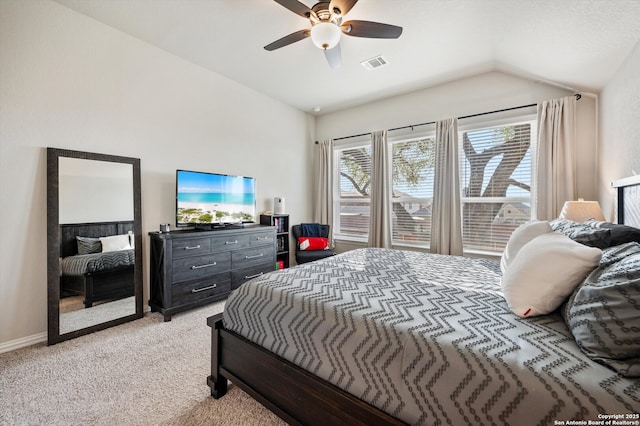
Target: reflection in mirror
[[96, 286], [94, 224]]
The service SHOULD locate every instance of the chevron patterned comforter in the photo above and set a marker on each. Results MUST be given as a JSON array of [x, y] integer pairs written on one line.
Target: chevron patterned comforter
[[427, 338], [96, 262]]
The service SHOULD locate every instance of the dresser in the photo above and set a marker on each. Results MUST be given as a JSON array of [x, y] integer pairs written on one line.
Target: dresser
[[193, 268]]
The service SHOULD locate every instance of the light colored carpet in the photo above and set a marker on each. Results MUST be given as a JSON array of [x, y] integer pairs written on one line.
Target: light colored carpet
[[146, 372], [97, 314]]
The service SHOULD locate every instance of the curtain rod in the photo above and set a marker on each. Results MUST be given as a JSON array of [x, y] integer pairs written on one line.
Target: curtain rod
[[411, 126]]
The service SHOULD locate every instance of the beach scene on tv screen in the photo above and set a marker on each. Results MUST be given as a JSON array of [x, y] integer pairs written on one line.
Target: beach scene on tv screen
[[212, 198]]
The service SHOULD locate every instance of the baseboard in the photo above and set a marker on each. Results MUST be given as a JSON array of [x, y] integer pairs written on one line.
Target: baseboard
[[23, 342]]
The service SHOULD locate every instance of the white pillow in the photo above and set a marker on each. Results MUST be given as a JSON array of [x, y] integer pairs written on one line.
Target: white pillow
[[545, 271], [115, 243], [521, 236]]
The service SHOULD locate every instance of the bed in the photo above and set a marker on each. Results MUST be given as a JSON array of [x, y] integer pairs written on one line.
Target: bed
[[94, 274], [380, 336]]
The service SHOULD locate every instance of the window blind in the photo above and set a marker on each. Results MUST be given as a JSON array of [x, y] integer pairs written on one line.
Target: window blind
[[353, 192], [496, 179], [413, 174]]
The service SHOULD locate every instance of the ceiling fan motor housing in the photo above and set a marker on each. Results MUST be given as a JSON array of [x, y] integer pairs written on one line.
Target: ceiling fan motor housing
[[322, 13]]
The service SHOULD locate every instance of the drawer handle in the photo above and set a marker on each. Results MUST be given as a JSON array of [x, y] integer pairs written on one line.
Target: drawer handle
[[248, 277], [192, 248], [254, 257], [262, 238], [231, 242], [198, 290], [208, 265]]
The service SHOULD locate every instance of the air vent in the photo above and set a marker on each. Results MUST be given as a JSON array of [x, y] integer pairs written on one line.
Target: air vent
[[373, 63]]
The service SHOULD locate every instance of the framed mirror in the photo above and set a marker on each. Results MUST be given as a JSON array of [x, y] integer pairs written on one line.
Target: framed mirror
[[94, 242]]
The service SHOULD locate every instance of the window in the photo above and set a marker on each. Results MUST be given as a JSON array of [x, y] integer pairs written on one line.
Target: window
[[496, 183], [413, 172], [352, 201]]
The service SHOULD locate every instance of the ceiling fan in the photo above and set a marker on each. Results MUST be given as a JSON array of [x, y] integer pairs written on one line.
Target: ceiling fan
[[327, 26]]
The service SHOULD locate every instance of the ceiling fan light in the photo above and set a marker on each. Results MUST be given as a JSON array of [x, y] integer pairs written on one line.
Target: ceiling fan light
[[325, 35]]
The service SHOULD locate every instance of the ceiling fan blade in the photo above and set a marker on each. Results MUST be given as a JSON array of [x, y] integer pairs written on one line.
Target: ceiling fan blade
[[334, 56], [296, 7], [370, 29], [288, 39], [343, 5]]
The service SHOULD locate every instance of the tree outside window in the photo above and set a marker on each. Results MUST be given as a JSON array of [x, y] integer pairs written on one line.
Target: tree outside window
[[496, 184]]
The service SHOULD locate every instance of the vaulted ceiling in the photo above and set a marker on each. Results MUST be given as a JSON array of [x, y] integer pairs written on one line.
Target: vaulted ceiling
[[574, 43]]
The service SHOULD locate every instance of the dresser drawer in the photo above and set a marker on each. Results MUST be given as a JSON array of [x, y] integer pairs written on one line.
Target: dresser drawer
[[193, 291], [263, 238], [240, 276], [190, 247], [231, 242], [200, 266], [253, 256]]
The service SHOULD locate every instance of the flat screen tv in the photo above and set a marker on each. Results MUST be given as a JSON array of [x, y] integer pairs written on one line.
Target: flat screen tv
[[212, 198]]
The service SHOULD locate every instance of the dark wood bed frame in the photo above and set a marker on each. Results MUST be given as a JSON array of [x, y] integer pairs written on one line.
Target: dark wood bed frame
[[299, 397], [111, 284], [293, 394]]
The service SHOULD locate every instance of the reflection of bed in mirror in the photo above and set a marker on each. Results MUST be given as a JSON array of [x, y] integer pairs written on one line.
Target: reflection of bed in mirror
[[88, 270]]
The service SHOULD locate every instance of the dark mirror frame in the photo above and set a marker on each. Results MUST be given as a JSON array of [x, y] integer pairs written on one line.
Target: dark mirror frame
[[53, 243]]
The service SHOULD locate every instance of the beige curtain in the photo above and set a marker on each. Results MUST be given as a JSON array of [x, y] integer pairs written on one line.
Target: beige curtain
[[323, 211], [556, 165], [446, 217], [380, 213]]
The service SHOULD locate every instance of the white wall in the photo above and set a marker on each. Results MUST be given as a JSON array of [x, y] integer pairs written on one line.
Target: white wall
[[486, 92], [67, 81], [619, 154]]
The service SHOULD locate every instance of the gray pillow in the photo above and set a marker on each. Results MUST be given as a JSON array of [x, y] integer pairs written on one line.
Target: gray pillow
[[620, 234], [565, 226], [583, 233], [600, 238], [88, 245], [603, 313]]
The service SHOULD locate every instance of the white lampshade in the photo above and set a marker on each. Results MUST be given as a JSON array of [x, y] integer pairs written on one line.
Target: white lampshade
[[325, 35], [580, 211]]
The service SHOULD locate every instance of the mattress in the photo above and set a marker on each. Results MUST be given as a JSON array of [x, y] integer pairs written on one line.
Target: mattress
[[426, 338]]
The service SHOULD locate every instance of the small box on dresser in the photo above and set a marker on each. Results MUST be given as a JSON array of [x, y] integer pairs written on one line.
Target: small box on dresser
[[192, 268]]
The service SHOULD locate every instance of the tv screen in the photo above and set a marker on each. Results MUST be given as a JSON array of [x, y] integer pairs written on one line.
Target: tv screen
[[211, 198]]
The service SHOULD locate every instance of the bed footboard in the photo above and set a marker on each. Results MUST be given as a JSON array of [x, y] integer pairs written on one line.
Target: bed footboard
[[111, 284], [216, 382], [293, 394]]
